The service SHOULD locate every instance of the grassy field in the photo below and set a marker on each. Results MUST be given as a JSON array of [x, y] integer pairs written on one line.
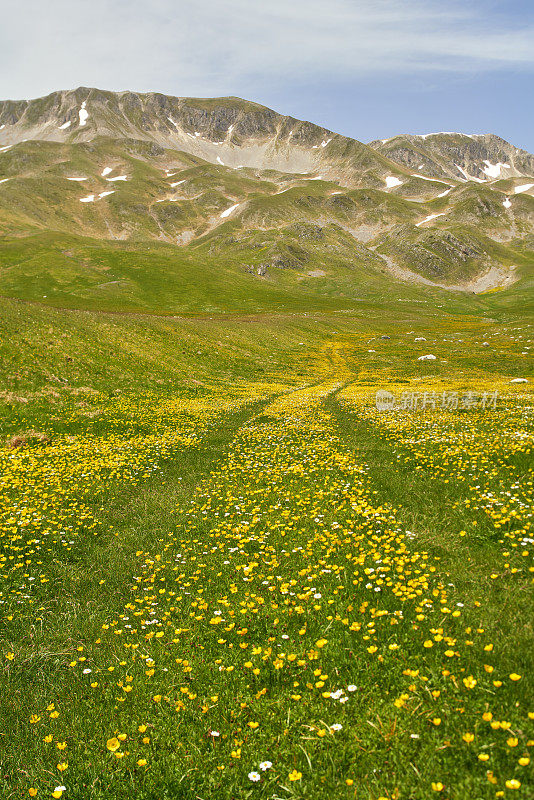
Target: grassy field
[[225, 574]]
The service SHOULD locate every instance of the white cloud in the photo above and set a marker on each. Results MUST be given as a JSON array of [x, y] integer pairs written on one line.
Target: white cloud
[[206, 47]]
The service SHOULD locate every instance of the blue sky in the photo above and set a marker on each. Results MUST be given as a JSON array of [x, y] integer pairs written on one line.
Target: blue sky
[[365, 68]]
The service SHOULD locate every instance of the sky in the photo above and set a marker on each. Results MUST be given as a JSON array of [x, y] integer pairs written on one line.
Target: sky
[[365, 68]]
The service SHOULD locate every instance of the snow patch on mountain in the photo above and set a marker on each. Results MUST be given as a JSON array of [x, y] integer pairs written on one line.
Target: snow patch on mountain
[[426, 178], [427, 219], [441, 133], [392, 181], [83, 114], [494, 170], [468, 177], [523, 188], [65, 125], [229, 211]]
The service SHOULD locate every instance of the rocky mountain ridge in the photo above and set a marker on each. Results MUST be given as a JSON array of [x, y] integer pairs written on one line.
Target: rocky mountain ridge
[[476, 157], [228, 131]]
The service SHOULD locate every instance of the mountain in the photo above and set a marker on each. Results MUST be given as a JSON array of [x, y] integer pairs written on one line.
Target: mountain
[[144, 201], [460, 156], [227, 130]]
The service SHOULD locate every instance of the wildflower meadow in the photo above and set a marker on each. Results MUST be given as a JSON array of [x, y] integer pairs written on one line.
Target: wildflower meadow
[[264, 586]]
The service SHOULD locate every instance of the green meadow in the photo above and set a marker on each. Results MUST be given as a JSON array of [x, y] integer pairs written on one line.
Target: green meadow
[[224, 573]]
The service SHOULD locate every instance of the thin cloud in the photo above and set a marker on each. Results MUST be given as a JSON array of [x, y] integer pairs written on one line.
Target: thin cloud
[[208, 47]]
